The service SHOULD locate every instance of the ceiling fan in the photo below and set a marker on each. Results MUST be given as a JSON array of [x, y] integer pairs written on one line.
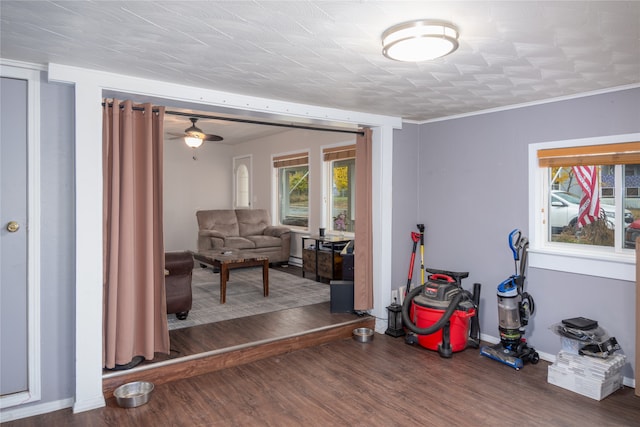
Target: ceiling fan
[[193, 135]]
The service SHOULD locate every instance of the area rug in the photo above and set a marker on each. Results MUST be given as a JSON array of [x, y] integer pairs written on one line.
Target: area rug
[[244, 295]]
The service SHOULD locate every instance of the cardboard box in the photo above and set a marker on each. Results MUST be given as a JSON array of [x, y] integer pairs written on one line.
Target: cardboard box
[[588, 376], [590, 367], [589, 387]]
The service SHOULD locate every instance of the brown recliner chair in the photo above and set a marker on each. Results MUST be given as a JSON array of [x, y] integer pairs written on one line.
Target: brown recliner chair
[[177, 283]]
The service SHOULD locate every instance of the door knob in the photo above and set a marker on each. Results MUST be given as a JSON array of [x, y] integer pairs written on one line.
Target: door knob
[[13, 226]]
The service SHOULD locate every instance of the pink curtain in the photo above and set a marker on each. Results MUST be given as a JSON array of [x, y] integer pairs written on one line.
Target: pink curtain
[[135, 315], [363, 273]]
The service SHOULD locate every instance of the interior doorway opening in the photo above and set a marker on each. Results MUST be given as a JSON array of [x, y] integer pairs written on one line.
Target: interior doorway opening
[[220, 158]]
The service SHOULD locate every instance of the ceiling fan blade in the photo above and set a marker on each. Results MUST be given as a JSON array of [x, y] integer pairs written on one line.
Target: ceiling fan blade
[[175, 135], [195, 131]]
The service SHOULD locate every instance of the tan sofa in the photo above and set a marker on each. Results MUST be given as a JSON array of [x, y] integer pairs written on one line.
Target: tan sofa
[[246, 230]]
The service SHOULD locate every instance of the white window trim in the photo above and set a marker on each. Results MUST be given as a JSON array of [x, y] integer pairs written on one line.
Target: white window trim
[[327, 216], [237, 162], [275, 202], [588, 260]]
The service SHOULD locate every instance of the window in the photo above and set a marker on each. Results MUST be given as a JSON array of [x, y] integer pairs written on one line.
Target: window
[[583, 205], [242, 178], [292, 177], [566, 201], [340, 167], [242, 182]]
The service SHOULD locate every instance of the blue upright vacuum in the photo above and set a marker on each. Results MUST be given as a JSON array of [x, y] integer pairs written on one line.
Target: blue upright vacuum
[[514, 309]]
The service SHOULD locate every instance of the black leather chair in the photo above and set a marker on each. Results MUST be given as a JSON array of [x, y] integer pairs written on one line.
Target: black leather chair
[[177, 282]]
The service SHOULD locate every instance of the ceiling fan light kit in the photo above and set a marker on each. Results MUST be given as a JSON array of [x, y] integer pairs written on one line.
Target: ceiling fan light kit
[[420, 40], [193, 136], [193, 141]]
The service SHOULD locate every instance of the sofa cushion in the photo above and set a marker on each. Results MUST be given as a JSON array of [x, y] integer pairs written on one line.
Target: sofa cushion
[[252, 222], [224, 222], [265, 241], [237, 242], [276, 231]]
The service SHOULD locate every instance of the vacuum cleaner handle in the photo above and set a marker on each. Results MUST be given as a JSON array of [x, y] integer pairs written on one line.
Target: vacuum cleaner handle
[[523, 258], [514, 239]]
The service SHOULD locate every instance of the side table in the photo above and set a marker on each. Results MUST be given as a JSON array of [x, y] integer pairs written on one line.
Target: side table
[[323, 263]]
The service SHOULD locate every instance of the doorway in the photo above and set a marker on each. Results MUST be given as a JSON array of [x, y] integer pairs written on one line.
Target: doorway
[[89, 93], [19, 238]]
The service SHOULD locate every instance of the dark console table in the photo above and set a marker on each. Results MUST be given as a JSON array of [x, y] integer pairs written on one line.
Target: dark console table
[[324, 259]]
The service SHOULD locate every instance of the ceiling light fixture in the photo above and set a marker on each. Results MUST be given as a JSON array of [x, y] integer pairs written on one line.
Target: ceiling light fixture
[[420, 40], [193, 141], [194, 137]]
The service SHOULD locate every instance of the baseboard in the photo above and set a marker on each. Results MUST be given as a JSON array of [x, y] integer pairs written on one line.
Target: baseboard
[[297, 261], [89, 404], [33, 410]]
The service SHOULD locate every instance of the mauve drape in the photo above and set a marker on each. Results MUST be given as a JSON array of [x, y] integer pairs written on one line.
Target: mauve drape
[[363, 254], [135, 315]]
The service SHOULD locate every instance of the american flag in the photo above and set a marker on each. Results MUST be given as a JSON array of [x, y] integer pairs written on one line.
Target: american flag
[[587, 177]]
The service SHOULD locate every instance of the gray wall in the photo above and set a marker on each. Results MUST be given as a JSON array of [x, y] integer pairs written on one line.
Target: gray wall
[[406, 203], [57, 252], [473, 190]]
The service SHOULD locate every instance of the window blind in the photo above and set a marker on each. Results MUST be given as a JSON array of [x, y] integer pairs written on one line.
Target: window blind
[[624, 153], [297, 159], [339, 153]]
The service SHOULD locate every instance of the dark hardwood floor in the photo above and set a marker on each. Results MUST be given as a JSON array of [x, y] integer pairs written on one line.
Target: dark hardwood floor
[[207, 348], [301, 367], [382, 383], [186, 342]]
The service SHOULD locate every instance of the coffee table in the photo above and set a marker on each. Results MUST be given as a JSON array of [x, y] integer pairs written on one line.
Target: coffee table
[[228, 261]]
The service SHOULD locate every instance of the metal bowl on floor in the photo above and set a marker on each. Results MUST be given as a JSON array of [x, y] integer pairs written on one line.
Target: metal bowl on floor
[[133, 394], [363, 334]]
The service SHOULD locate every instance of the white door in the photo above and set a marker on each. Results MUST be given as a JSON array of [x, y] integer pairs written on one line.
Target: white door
[[19, 237], [13, 243], [242, 182]]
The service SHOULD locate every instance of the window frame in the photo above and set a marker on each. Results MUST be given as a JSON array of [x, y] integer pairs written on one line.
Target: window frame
[[330, 155], [276, 185], [614, 263], [240, 162]]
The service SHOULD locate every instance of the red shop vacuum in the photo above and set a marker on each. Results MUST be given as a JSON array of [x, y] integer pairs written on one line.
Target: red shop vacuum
[[441, 315]]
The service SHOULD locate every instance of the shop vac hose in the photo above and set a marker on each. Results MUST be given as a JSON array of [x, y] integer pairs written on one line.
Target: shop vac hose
[[436, 326]]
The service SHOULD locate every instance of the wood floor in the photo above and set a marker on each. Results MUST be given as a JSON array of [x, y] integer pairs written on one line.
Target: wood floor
[[208, 348], [382, 383], [301, 367], [211, 347]]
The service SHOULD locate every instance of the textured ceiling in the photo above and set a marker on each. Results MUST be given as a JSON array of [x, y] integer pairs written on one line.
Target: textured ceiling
[[328, 53]]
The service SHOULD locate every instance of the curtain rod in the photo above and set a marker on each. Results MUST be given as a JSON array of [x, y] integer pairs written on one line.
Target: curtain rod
[[248, 121]]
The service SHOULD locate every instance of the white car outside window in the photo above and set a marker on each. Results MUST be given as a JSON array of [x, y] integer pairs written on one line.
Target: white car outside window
[[565, 207]]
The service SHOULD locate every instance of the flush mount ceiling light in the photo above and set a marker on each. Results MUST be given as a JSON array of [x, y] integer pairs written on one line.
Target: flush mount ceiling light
[[420, 40]]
